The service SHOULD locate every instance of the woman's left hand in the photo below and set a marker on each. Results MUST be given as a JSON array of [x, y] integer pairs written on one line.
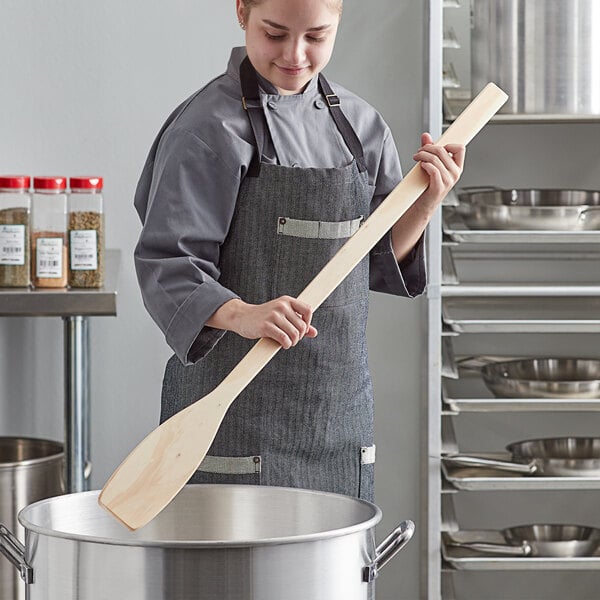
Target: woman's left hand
[[443, 165]]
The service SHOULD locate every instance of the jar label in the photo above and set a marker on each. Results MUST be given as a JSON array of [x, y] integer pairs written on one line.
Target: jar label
[[48, 257], [83, 244], [12, 244]]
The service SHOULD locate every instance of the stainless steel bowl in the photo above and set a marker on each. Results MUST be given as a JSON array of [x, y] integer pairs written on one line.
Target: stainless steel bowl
[[546, 457], [559, 447], [530, 209], [544, 378], [560, 541], [555, 540]]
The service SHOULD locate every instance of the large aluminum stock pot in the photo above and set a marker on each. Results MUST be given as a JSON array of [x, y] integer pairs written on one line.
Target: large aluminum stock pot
[[543, 53], [30, 469], [213, 542]]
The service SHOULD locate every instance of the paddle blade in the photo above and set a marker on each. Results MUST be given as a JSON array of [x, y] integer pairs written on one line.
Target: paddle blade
[[161, 464]]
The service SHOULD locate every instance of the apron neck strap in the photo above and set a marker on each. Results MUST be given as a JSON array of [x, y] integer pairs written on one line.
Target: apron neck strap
[[343, 125], [253, 106]]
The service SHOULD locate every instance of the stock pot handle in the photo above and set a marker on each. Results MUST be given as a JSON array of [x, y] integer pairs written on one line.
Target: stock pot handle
[[392, 544], [14, 550]]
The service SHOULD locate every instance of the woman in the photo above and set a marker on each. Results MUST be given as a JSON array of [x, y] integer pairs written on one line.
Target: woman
[[251, 186]]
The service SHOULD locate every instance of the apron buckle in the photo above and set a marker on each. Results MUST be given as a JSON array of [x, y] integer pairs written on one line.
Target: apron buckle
[[332, 99]]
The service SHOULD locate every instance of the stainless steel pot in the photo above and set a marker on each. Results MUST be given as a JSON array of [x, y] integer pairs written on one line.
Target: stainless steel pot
[[543, 378], [543, 53], [30, 469], [560, 541], [529, 209], [217, 542], [546, 457]]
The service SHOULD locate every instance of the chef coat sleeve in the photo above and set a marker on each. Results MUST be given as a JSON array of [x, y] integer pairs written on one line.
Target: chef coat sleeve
[[191, 199], [407, 278]]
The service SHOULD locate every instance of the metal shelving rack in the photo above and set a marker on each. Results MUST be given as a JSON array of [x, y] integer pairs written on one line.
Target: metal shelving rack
[[454, 309], [75, 307]]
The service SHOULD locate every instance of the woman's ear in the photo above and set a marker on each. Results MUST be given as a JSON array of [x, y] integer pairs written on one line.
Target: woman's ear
[[239, 11]]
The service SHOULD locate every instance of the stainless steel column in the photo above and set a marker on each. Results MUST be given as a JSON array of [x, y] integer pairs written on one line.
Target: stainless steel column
[[431, 512], [75, 306], [77, 403]]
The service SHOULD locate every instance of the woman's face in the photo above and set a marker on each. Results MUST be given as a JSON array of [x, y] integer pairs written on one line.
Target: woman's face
[[290, 41]]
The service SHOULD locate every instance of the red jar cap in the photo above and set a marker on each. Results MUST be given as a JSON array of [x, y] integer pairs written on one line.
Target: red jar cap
[[49, 183], [86, 183], [15, 182]]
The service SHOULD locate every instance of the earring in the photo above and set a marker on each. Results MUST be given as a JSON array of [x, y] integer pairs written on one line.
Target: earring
[[242, 25]]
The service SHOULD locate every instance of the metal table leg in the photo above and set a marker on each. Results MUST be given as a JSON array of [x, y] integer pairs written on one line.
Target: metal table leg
[[77, 403]]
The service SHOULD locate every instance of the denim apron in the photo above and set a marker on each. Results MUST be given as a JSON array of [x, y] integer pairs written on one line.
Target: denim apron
[[306, 420]]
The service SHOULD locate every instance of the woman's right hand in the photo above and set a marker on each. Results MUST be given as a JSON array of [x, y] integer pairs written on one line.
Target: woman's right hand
[[285, 320]]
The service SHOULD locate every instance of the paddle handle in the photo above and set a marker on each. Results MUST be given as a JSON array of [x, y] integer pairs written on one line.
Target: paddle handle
[[400, 199], [248, 368], [462, 131]]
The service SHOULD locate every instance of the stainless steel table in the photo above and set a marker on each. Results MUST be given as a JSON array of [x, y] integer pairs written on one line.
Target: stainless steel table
[[75, 306]]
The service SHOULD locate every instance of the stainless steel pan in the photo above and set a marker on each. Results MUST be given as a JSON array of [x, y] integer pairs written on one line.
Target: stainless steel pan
[[543, 378], [546, 457], [529, 209], [561, 541]]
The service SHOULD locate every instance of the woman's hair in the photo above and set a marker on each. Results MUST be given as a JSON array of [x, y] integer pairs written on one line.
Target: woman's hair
[[249, 4]]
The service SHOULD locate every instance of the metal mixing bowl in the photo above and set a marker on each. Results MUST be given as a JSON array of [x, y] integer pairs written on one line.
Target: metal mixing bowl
[[544, 378], [530, 209]]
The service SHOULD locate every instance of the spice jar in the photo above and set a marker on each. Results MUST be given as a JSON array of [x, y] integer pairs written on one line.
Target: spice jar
[[86, 233], [49, 232], [15, 212]]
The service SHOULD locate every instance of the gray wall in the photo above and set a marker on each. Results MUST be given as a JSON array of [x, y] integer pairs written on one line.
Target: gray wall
[[85, 88]]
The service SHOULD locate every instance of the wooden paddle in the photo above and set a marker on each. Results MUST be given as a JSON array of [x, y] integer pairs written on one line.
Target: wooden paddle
[[161, 464]]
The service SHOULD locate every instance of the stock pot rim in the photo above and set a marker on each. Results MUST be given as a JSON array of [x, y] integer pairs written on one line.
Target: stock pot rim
[[55, 452], [141, 543]]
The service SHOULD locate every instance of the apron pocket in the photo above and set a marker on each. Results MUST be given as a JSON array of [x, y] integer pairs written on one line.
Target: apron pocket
[[229, 469], [304, 247], [321, 230], [366, 489]]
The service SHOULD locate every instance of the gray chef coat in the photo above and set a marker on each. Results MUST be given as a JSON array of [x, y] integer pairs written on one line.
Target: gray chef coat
[[190, 182]]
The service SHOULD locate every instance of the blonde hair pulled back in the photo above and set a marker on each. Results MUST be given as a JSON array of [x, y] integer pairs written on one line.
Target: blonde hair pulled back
[[249, 4]]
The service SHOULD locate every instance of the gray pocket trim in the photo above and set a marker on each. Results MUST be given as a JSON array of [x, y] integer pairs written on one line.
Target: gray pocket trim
[[325, 230], [367, 455], [231, 465]]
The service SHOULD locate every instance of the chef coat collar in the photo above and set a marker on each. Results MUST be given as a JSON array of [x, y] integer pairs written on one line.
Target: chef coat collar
[[233, 70], [255, 110]]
